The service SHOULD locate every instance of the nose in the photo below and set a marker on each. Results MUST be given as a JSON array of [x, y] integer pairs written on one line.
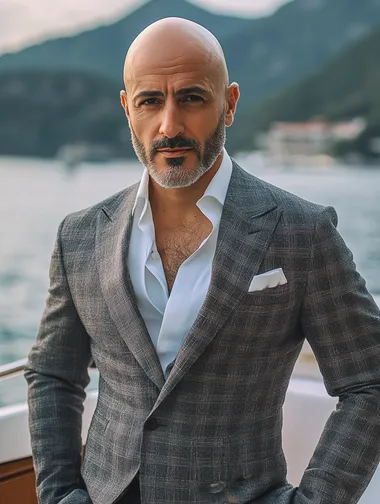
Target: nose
[[171, 121]]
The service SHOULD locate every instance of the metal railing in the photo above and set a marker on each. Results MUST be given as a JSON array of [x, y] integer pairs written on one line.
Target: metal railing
[[12, 369], [15, 368]]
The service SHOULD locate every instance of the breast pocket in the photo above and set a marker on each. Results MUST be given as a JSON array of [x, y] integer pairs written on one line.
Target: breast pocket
[[264, 319], [280, 295]]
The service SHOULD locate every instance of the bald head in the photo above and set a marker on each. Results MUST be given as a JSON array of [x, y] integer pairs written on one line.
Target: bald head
[[173, 42], [178, 101]]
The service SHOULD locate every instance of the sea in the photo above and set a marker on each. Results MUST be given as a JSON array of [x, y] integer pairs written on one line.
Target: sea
[[35, 195]]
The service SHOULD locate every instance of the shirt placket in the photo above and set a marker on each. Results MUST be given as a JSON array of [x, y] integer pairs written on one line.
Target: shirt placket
[[184, 294], [155, 288]]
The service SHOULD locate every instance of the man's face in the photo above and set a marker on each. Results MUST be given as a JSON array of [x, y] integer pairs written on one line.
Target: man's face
[[176, 113]]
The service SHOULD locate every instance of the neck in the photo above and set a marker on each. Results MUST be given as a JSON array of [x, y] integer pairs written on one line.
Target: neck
[[180, 202]]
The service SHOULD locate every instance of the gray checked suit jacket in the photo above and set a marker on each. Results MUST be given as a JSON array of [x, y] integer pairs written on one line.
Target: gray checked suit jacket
[[210, 433]]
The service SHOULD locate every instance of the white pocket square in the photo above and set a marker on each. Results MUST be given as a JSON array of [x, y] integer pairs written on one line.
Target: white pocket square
[[268, 280]]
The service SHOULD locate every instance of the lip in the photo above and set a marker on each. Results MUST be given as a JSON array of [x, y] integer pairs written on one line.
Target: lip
[[172, 153]]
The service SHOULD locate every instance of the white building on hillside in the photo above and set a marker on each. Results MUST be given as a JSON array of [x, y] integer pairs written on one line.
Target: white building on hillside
[[305, 142]]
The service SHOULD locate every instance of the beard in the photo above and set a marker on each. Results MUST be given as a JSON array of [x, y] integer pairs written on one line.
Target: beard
[[176, 175]]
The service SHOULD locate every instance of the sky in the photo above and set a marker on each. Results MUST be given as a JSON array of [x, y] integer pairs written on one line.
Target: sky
[[23, 22]]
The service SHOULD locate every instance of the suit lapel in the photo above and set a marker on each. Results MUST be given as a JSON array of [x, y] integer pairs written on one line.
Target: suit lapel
[[114, 227], [248, 222]]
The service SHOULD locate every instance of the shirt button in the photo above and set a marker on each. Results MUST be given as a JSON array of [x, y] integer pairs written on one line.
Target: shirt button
[[155, 255]]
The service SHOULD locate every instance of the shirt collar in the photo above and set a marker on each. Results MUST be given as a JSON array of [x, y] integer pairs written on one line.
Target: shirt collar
[[216, 189], [142, 192], [218, 186]]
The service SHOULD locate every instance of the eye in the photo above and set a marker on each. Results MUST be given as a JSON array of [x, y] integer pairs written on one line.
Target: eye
[[150, 101], [193, 98]]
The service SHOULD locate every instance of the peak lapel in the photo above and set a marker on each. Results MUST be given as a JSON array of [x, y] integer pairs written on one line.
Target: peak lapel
[[114, 227], [249, 219]]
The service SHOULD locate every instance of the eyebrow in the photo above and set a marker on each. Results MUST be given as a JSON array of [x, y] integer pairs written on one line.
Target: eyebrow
[[180, 92], [189, 90], [148, 94]]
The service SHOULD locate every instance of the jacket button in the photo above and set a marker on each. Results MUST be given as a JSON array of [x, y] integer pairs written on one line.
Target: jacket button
[[217, 487], [151, 424]]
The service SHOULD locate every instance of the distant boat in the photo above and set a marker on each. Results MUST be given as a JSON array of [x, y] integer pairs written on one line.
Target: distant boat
[[73, 155]]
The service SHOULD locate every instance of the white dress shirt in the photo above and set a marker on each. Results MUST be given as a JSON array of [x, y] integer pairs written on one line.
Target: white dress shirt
[[169, 318]]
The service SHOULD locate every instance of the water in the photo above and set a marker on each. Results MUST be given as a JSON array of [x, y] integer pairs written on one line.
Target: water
[[35, 195]]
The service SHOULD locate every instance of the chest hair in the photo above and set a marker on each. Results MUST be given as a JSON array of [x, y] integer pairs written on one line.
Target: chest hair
[[176, 245]]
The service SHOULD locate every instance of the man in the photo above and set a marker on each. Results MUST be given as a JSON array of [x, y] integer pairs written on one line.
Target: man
[[193, 293]]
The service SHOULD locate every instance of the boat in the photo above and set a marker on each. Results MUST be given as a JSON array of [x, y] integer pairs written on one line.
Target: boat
[[306, 409], [72, 155]]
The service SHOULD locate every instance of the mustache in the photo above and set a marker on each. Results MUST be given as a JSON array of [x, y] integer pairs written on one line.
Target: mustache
[[173, 143]]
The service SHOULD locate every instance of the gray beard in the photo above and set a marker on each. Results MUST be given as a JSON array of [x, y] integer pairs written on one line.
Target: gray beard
[[175, 176]]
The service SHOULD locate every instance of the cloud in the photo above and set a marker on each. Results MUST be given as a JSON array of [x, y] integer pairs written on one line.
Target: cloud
[[247, 7], [25, 22]]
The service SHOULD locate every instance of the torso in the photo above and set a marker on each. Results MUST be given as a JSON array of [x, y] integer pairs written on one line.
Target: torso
[[176, 244]]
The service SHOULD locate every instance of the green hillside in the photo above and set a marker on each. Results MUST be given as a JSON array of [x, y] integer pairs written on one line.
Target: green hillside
[[67, 90], [278, 51], [264, 55], [40, 112], [348, 86], [102, 50]]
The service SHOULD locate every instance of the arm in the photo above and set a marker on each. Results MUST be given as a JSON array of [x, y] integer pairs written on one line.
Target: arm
[[57, 376], [342, 324]]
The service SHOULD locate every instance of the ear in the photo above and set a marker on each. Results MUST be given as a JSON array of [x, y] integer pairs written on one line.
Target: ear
[[232, 98], [124, 102]]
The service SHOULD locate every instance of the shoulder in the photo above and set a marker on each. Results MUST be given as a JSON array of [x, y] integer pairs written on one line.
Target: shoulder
[[86, 219], [295, 211]]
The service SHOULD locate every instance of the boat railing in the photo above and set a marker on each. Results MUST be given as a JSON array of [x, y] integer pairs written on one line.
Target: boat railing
[[12, 369]]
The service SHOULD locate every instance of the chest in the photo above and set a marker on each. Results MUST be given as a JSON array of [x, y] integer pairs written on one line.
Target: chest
[[177, 244]]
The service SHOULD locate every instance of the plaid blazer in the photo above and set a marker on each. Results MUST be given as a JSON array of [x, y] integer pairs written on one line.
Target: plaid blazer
[[210, 433]]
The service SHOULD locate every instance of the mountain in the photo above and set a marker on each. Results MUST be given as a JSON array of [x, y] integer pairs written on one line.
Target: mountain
[[275, 52], [346, 87], [264, 55], [41, 111], [102, 50], [69, 86]]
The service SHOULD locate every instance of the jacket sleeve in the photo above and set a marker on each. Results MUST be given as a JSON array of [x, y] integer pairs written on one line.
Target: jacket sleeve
[[57, 375], [342, 324]]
